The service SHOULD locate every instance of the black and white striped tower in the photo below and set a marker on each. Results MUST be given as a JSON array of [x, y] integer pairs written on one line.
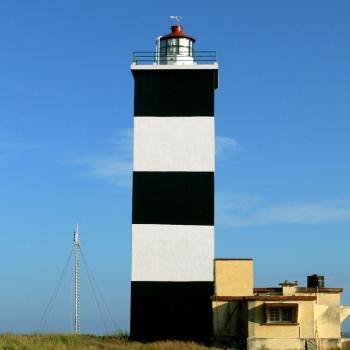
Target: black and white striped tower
[[173, 191]]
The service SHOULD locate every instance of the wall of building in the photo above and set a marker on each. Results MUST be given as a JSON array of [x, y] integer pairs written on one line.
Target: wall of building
[[230, 323], [328, 316], [233, 277], [294, 344], [258, 329]]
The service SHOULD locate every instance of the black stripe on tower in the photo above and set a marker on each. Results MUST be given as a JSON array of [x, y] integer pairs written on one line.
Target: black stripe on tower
[[171, 310], [166, 93], [173, 198]]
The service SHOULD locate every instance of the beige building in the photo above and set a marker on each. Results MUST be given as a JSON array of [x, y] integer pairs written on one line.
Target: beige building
[[287, 317]]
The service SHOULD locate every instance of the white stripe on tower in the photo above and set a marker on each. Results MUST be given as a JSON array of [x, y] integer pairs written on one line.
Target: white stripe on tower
[[172, 253], [174, 144]]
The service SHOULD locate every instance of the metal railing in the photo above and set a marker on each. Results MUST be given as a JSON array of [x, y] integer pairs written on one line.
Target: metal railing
[[152, 57]]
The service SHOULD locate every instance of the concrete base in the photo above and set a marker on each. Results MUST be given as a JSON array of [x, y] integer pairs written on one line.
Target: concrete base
[[171, 310], [295, 344]]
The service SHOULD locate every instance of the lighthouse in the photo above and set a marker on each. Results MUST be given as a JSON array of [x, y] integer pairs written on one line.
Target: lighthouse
[[173, 190]]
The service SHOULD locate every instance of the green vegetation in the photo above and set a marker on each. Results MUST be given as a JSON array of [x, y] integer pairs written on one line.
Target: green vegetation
[[87, 342]]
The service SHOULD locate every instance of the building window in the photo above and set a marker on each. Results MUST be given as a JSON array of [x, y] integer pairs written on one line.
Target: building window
[[283, 313]]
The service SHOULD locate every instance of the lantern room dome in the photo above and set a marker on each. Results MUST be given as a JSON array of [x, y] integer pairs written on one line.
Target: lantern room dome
[[177, 31]]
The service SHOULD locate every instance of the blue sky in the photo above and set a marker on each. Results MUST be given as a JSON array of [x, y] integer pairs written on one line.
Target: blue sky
[[66, 107]]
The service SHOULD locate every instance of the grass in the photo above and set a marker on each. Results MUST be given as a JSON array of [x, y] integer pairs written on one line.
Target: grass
[[87, 342]]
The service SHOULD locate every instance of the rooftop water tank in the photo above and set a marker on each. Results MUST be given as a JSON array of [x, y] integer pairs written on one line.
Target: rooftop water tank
[[315, 281]]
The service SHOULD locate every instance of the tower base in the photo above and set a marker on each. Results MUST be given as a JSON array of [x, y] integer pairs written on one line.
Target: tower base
[[171, 310]]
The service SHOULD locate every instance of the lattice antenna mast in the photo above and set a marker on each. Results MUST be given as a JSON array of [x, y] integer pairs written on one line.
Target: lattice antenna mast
[[76, 281]]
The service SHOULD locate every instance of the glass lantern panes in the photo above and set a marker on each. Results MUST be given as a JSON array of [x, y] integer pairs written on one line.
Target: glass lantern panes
[[176, 46], [172, 46], [163, 46]]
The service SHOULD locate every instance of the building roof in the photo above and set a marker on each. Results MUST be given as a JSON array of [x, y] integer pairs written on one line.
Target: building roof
[[266, 298], [299, 290], [233, 259]]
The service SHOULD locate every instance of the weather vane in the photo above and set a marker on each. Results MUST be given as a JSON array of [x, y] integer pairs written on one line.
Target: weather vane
[[176, 18]]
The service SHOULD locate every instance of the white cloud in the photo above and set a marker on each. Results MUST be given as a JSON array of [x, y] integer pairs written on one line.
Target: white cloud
[[122, 143], [114, 166], [238, 210], [225, 146], [327, 211]]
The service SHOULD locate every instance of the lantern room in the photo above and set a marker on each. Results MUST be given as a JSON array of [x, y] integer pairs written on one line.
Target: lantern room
[[175, 47]]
